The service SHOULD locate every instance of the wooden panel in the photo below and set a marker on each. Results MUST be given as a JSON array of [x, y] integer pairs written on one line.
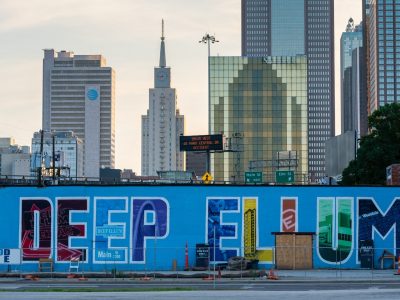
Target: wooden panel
[[284, 252], [303, 255], [293, 252]]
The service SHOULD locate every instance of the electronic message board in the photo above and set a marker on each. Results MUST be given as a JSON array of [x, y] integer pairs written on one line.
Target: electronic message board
[[201, 142]]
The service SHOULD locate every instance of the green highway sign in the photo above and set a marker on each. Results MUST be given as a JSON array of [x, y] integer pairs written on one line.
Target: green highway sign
[[253, 177], [284, 176]]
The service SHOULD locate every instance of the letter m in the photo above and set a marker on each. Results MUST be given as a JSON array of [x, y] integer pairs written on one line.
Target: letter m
[[372, 219]]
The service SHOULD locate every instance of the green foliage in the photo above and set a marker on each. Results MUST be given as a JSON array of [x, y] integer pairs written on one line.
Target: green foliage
[[378, 150]]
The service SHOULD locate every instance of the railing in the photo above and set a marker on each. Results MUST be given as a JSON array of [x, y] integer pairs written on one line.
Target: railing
[[48, 181]]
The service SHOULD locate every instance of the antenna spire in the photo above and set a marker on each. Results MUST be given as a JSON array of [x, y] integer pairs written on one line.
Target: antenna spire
[[163, 62], [162, 30]]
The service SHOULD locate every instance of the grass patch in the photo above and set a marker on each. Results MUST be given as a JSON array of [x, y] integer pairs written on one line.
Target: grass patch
[[90, 290]]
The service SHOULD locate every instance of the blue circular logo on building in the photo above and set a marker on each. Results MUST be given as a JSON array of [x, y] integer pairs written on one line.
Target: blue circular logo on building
[[92, 94]]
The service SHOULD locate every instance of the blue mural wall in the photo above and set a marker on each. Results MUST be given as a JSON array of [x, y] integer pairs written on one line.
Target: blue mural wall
[[145, 227]]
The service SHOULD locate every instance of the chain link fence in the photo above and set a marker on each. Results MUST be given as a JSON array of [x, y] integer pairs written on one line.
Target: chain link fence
[[179, 262]]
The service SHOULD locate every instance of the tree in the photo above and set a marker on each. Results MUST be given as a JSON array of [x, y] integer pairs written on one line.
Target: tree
[[378, 150]]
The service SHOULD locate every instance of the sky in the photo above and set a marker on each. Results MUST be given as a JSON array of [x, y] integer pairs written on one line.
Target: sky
[[127, 33]]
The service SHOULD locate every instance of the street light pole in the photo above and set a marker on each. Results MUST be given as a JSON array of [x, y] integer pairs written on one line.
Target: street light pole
[[209, 39]]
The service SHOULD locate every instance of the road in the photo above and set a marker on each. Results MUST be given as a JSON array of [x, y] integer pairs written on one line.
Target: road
[[193, 284], [199, 289], [371, 293]]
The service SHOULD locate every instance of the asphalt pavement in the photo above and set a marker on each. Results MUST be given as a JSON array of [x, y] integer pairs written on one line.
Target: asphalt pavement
[[372, 293], [304, 281]]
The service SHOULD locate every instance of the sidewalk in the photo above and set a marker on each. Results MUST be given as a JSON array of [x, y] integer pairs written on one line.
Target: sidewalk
[[249, 275]]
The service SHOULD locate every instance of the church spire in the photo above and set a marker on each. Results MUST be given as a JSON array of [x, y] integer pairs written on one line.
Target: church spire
[[163, 62]]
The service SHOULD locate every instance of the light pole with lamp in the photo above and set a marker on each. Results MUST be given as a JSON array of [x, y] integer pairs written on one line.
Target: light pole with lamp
[[208, 39]]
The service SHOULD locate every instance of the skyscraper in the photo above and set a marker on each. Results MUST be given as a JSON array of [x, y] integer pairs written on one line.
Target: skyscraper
[[350, 40], [382, 26], [79, 96], [298, 27], [260, 105], [359, 92], [162, 125]]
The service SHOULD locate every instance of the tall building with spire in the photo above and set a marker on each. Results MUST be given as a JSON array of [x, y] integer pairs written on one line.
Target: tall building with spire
[[162, 125]]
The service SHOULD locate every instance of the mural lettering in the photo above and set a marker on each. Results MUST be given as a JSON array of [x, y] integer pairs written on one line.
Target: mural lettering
[[371, 218], [289, 215], [335, 229], [251, 233], [150, 217], [128, 229], [216, 227], [108, 231], [36, 229], [67, 229]]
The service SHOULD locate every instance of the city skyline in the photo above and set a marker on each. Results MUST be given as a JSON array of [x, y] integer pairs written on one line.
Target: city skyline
[[106, 29]]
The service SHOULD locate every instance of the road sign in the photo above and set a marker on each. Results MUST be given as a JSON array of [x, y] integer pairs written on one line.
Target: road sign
[[253, 177], [284, 176], [207, 178], [213, 142]]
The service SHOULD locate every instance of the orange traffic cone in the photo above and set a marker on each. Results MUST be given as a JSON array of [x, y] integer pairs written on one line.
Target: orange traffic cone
[[82, 278], [398, 267], [272, 275], [28, 277], [145, 278]]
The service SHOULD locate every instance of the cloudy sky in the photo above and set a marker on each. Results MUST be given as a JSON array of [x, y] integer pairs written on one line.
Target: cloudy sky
[[127, 33]]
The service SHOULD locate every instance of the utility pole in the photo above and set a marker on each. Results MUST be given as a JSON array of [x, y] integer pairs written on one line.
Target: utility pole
[[208, 39], [41, 159], [53, 156]]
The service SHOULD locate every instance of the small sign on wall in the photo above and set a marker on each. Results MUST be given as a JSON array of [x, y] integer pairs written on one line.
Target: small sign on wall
[[9, 256]]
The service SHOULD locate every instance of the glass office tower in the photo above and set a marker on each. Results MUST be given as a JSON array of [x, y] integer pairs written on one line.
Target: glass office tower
[[260, 105], [351, 39], [383, 54], [299, 27]]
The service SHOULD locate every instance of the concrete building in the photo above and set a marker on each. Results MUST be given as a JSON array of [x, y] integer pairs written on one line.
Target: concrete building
[[14, 159], [162, 125], [7, 142], [260, 105], [68, 153], [299, 27], [340, 150], [79, 96], [196, 162], [382, 23]]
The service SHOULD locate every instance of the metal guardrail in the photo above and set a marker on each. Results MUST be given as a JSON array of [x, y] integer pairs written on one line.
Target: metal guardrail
[[33, 181]]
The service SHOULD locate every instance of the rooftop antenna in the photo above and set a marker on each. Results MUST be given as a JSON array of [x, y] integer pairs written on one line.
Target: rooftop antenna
[[162, 30]]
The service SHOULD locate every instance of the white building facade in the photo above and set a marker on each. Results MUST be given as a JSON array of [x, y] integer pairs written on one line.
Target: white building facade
[[14, 160], [162, 125], [79, 96], [68, 153]]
